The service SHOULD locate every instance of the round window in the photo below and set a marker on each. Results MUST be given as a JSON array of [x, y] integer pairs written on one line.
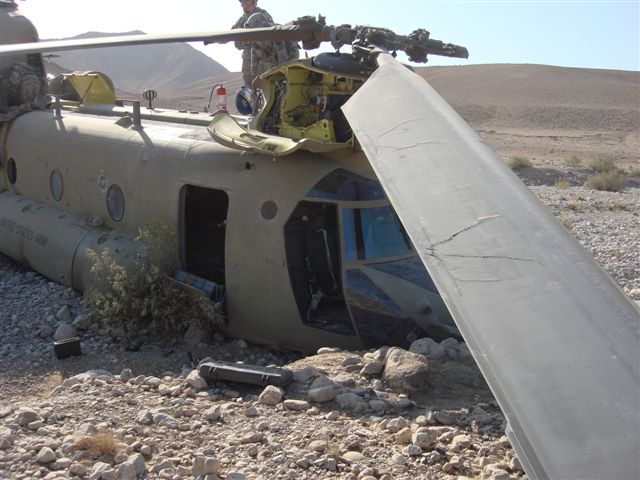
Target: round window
[[115, 203], [269, 210], [12, 171], [55, 184]]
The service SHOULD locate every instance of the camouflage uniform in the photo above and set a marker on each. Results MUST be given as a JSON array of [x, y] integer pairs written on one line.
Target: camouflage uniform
[[22, 89], [258, 57]]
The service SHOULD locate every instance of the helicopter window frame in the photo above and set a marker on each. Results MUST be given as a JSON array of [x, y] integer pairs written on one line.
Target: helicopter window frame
[[115, 202], [359, 232], [56, 184], [342, 185], [12, 171]]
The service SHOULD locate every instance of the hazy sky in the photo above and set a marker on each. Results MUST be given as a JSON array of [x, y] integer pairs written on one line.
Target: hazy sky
[[593, 34]]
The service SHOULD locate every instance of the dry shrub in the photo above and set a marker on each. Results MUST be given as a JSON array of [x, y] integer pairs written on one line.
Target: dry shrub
[[561, 183], [610, 181], [51, 381], [573, 161], [99, 444], [518, 163], [602, 164], [634, 172], [146, 297]]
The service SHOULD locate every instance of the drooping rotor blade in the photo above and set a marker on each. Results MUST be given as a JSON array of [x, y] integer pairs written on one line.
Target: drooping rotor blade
[[555, 337], [305, 33]]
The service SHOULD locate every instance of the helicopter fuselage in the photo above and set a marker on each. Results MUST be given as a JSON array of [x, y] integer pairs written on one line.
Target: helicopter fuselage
[[305, 247]]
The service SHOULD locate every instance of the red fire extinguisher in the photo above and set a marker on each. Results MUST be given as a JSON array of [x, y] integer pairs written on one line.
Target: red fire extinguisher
[[221, 97]]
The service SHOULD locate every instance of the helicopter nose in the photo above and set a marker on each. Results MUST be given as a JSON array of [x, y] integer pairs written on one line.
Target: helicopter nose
[[395, 302], [424, 306]]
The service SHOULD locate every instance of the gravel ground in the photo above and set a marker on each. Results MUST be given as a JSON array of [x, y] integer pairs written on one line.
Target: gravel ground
[[131, 409]]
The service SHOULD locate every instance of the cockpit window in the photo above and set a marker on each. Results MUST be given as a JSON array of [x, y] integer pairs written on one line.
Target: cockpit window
[[372, 233], [343, 185]]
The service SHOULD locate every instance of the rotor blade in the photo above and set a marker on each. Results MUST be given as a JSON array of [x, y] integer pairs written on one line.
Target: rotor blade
[[277, 32], [555, 337]]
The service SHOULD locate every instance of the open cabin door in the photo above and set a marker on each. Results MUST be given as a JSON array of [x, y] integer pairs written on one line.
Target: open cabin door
[[203, 222]]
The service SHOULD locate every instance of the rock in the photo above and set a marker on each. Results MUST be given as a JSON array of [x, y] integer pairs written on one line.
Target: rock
[[195, 335], [164, 420], [635, 293], [353, 457], [305, 374], [204, 465], [7, 438], [64, 315], [481, 416], [251, 411], [126, 471], [462, 374], [321, 394], [325, 350], [271, 395], [78, 469], [126, 375], [460, 442], [406, 371], [428, 347], [25, 416], [46, 331], [297, 405], [196, 381], [212, 414], [64, 331], [412, 450], [83, 321], [397, 424], [236, 476], [404, 436], [494, 472], [98, 469], [374, 367], [348, 400], [45, 455], [138, 463], [424, 437], [515, 465], [144, 417]]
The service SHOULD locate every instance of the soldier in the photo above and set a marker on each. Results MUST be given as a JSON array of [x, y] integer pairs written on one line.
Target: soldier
[[22, 89], [258, 57]]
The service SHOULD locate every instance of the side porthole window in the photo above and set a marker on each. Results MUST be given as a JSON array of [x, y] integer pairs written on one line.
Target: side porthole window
[[115, 203], [55, 184], [12, 171], [269, 210]]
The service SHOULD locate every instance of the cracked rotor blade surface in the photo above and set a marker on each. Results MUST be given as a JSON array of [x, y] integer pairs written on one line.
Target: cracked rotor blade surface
[[555, 337]]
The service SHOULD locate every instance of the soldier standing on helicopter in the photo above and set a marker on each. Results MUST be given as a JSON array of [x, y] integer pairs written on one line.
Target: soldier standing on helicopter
[[258, 57], [22, 89]]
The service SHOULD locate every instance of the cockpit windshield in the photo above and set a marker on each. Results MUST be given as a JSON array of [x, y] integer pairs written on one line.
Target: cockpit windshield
[[372, 233]]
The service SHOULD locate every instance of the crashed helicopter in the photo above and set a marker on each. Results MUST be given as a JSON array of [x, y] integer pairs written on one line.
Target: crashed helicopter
[[314, 221]]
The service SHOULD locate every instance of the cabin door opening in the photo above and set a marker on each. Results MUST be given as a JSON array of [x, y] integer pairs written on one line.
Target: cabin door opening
[[312, 241], [203, 231]]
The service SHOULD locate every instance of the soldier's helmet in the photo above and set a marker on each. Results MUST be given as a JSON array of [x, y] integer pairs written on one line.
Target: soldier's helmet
[[244, 101]]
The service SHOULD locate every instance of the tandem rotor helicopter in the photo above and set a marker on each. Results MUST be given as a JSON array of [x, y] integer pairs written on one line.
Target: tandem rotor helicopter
[[332, 219]]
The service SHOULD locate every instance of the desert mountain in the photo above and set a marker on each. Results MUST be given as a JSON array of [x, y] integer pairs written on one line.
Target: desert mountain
[[136, 68]]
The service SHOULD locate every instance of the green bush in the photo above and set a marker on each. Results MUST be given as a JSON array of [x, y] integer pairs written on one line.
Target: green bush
[[145, 297], [518, 163], [611, 181]]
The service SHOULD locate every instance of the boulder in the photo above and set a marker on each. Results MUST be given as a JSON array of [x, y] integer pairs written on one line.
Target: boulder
[[406, 371]]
